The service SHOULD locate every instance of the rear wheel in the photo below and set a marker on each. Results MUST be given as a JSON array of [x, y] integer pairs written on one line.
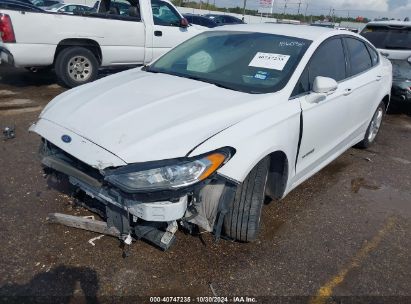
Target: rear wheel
[[242, 221], [76, 66], [373, 128]]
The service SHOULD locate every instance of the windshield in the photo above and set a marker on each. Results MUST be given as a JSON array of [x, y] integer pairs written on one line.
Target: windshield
[[389, 37], [241, 61]]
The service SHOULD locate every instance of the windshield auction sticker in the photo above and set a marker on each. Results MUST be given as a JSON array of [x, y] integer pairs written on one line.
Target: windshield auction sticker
[[269, 61]]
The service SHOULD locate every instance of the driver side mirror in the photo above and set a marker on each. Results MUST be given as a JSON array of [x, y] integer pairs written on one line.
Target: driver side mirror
[[322, 87], [184, 22]]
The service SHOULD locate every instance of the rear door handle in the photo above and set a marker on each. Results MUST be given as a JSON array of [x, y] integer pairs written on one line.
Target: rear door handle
[[158, 33], [379, 78], [347, 92]]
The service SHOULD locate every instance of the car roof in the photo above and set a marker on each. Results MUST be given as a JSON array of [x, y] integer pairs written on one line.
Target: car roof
[[299, 31], [391, 22]]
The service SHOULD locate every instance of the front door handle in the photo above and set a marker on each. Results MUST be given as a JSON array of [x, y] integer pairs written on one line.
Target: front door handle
[[379, 78], [158, 33], [347, 92]]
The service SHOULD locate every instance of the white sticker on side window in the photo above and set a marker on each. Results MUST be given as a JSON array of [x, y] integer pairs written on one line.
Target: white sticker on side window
[[269, 61]]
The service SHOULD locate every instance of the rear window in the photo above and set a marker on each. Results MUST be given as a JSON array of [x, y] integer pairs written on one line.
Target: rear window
[[389, 37], [360, 59]]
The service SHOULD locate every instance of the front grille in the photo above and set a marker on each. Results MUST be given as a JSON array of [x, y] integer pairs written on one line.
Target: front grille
[[49, 149]]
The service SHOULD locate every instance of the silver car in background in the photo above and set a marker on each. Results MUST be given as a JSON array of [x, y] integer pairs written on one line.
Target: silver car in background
[[393, 40]]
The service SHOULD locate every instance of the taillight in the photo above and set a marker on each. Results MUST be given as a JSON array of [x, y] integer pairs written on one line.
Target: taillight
[[6, 29]]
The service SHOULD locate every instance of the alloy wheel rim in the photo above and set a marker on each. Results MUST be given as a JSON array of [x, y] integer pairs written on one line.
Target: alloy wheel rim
[[79, 68], [375, 124]]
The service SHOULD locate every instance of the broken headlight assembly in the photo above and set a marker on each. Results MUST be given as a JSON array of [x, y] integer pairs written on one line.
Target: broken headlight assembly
[[168, 174]]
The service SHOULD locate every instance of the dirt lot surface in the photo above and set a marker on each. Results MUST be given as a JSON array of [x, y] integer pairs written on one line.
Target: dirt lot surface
[[345, 232]]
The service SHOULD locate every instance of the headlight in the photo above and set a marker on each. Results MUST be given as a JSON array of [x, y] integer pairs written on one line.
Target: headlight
[[170, 175]]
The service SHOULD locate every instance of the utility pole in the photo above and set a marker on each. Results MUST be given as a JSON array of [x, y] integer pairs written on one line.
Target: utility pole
[[306, 10], [285, 7], [299, 6], [245, 4], [208, 2]]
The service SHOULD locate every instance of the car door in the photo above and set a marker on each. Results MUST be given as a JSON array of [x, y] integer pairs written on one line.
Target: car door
[[365, 75], [124, 34], [167, 28], [324, 124]]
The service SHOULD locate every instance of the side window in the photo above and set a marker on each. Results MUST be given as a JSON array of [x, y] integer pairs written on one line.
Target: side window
[[218, 19], [120, 7], [303, 84], [375, 58], [328, 61], [70, 8], [164, 14], [360, 59], [227, 19]]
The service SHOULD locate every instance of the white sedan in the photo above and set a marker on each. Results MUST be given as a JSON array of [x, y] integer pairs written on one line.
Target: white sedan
[[67, 8], [209, 130]]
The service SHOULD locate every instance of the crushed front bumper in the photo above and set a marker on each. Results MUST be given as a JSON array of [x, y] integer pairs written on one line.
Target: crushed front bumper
[[150, 216], [156, 211]]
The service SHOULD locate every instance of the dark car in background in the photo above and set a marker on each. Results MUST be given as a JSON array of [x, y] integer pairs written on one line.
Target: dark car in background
[[224, 19], [393, 40], [21, 5], [200, 20]]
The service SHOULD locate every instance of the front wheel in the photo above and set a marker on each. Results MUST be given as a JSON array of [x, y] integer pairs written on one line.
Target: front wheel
[[76, 66], [242, 221], [373, 128]]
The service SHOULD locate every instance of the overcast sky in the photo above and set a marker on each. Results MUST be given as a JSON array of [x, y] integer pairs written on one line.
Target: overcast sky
[[367, 8]]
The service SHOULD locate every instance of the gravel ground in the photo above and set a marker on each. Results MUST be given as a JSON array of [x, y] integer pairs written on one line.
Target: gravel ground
[[345, 234]]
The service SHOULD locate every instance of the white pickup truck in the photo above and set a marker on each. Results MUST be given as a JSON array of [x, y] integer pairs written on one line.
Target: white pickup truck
[[120, 33]]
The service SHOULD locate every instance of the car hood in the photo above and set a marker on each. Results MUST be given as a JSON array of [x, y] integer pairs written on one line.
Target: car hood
[[141, 116]]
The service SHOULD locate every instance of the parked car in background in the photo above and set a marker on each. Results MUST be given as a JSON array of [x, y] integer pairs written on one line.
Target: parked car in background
[[200, 20], [68, 8], [19, 5], [224, 19], [206, 132], [78, 45], [46, 3], [393, 39]]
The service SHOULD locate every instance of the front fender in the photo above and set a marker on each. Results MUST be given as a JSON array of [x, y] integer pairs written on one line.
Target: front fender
[[276, 129]]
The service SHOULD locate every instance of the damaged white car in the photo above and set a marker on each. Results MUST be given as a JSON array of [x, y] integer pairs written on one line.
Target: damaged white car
[[202, 136]]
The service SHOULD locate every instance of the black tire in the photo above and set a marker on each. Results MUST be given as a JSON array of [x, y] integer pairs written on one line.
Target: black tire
[[67, 75], [242, 221], [368, 139]]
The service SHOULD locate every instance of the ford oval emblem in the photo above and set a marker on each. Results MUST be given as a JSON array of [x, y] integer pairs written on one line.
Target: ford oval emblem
[[66, 138]]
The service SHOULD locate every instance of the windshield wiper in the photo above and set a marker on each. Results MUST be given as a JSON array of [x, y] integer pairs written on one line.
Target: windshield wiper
[[217, 84]]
